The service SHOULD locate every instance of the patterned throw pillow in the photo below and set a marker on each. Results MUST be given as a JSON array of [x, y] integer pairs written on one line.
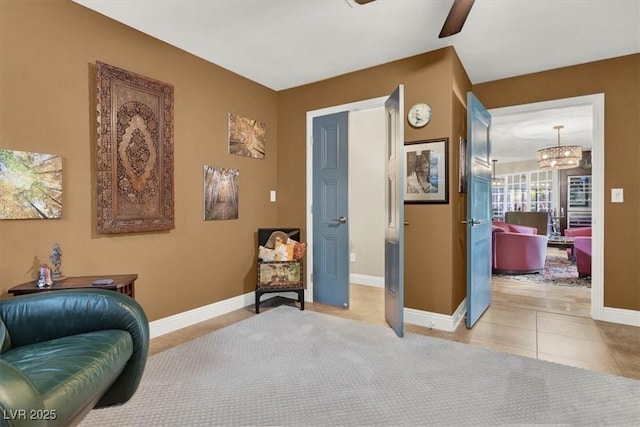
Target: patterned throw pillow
[[275, 238], [298, 250], [284, 251], [266, 254]]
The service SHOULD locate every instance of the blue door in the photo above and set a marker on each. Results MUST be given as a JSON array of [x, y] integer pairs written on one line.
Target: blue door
[[330, 204], [394, 215], [478, 210]]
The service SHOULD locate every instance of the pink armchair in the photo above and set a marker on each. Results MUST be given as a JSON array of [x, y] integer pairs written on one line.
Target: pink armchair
[[582, 248], [518, 253], [575, 232]]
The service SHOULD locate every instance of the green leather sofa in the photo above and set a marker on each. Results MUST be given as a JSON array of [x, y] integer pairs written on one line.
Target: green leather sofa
[[63, 353]]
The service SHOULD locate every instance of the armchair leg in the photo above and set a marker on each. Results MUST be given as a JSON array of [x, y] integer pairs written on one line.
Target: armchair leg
[[257, 302]]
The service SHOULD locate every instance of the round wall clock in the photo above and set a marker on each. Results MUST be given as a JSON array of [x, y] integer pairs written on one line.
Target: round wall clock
[[419, 115]]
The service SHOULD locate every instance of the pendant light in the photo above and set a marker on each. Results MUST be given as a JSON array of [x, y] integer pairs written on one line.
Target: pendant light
[[560, 156], [496, 182]]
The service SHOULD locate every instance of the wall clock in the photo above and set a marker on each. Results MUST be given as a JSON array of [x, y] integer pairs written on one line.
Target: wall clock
[[419, 115]]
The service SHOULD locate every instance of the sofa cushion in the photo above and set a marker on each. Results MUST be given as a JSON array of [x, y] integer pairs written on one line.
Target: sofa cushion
[[5, 339], [74, 369]]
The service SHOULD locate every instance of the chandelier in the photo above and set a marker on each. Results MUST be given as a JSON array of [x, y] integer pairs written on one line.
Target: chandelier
[[496, 182], [560, 156]]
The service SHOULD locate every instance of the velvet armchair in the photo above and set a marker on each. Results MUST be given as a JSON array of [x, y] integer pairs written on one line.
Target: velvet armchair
[[517, 249], [582, 249]]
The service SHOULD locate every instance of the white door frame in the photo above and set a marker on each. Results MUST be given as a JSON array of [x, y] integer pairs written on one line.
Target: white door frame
[[597, 178], [353, 106]]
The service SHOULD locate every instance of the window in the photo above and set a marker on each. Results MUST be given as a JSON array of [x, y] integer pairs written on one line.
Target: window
[[530, 191]]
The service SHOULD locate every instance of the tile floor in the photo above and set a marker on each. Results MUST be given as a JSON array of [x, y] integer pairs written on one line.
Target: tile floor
[[550, 324]]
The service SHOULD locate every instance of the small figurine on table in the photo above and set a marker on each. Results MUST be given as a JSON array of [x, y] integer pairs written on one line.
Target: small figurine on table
[[44, 276], [55, 256]]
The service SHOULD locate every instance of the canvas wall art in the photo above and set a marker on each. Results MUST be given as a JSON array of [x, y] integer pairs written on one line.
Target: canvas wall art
[[247, 137], [30, 185], [220, 193], [134, 152]]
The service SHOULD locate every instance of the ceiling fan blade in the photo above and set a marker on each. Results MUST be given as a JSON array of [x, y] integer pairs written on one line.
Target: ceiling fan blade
[[363, 1], [455, 20]]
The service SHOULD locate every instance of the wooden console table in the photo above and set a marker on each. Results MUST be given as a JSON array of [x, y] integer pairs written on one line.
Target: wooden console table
[[123, 283]]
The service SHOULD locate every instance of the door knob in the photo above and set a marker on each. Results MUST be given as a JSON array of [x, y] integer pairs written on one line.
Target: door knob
[[473, 222], [341, 220]]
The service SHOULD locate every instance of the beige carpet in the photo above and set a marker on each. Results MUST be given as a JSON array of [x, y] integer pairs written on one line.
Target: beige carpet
[[297, 368]]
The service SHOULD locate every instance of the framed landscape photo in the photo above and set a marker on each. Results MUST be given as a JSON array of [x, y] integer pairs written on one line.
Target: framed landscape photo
[[426, 166]]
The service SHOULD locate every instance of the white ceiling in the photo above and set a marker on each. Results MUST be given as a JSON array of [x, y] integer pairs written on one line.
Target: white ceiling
[[518, 136], [286, 43]]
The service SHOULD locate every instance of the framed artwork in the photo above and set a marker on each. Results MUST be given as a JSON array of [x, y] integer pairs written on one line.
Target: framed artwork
[[134, 152], [220, 193], [427, 168], [30, 185], [462, 166], [247, 137]]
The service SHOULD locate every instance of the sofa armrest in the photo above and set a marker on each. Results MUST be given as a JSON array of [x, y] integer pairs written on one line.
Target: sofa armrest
[[578, 232], [45, 316], [18, 398]]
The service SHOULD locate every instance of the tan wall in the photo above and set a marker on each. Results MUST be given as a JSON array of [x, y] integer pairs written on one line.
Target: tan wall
[[47, 92], [619, 80], [428, 243], [48, 105]]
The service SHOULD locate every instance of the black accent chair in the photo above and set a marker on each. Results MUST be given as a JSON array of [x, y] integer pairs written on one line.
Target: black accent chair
[[270, 277]]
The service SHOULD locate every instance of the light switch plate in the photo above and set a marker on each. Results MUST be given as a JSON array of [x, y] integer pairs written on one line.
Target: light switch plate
[[272, 195], [617, 195]]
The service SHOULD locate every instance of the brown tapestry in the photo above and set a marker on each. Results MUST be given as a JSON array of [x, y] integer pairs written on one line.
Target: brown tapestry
[[134, 153]]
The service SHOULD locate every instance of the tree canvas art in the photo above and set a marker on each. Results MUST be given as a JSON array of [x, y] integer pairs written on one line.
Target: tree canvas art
[[220, 193], [247, 137], [30, 185]]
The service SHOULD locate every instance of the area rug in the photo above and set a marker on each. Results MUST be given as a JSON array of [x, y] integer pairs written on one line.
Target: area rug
[[287, 367], [558, 271]]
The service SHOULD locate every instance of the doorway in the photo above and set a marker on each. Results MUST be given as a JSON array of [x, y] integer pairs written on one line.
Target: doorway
[[596, 105], [363, 111]]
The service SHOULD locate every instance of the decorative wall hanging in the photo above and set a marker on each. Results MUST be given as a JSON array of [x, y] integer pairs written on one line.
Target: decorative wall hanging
[[427, 169], [462, 166], [220, 193], [134, 153], [30, 185], [247, 137]]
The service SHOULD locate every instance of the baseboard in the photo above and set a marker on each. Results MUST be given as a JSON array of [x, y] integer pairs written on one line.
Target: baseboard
[[623, 316], [362, 279], [439, 321], [182, 320], [200, 314]]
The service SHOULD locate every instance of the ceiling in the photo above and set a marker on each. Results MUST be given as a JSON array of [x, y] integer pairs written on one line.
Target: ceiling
[[284, 43]]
